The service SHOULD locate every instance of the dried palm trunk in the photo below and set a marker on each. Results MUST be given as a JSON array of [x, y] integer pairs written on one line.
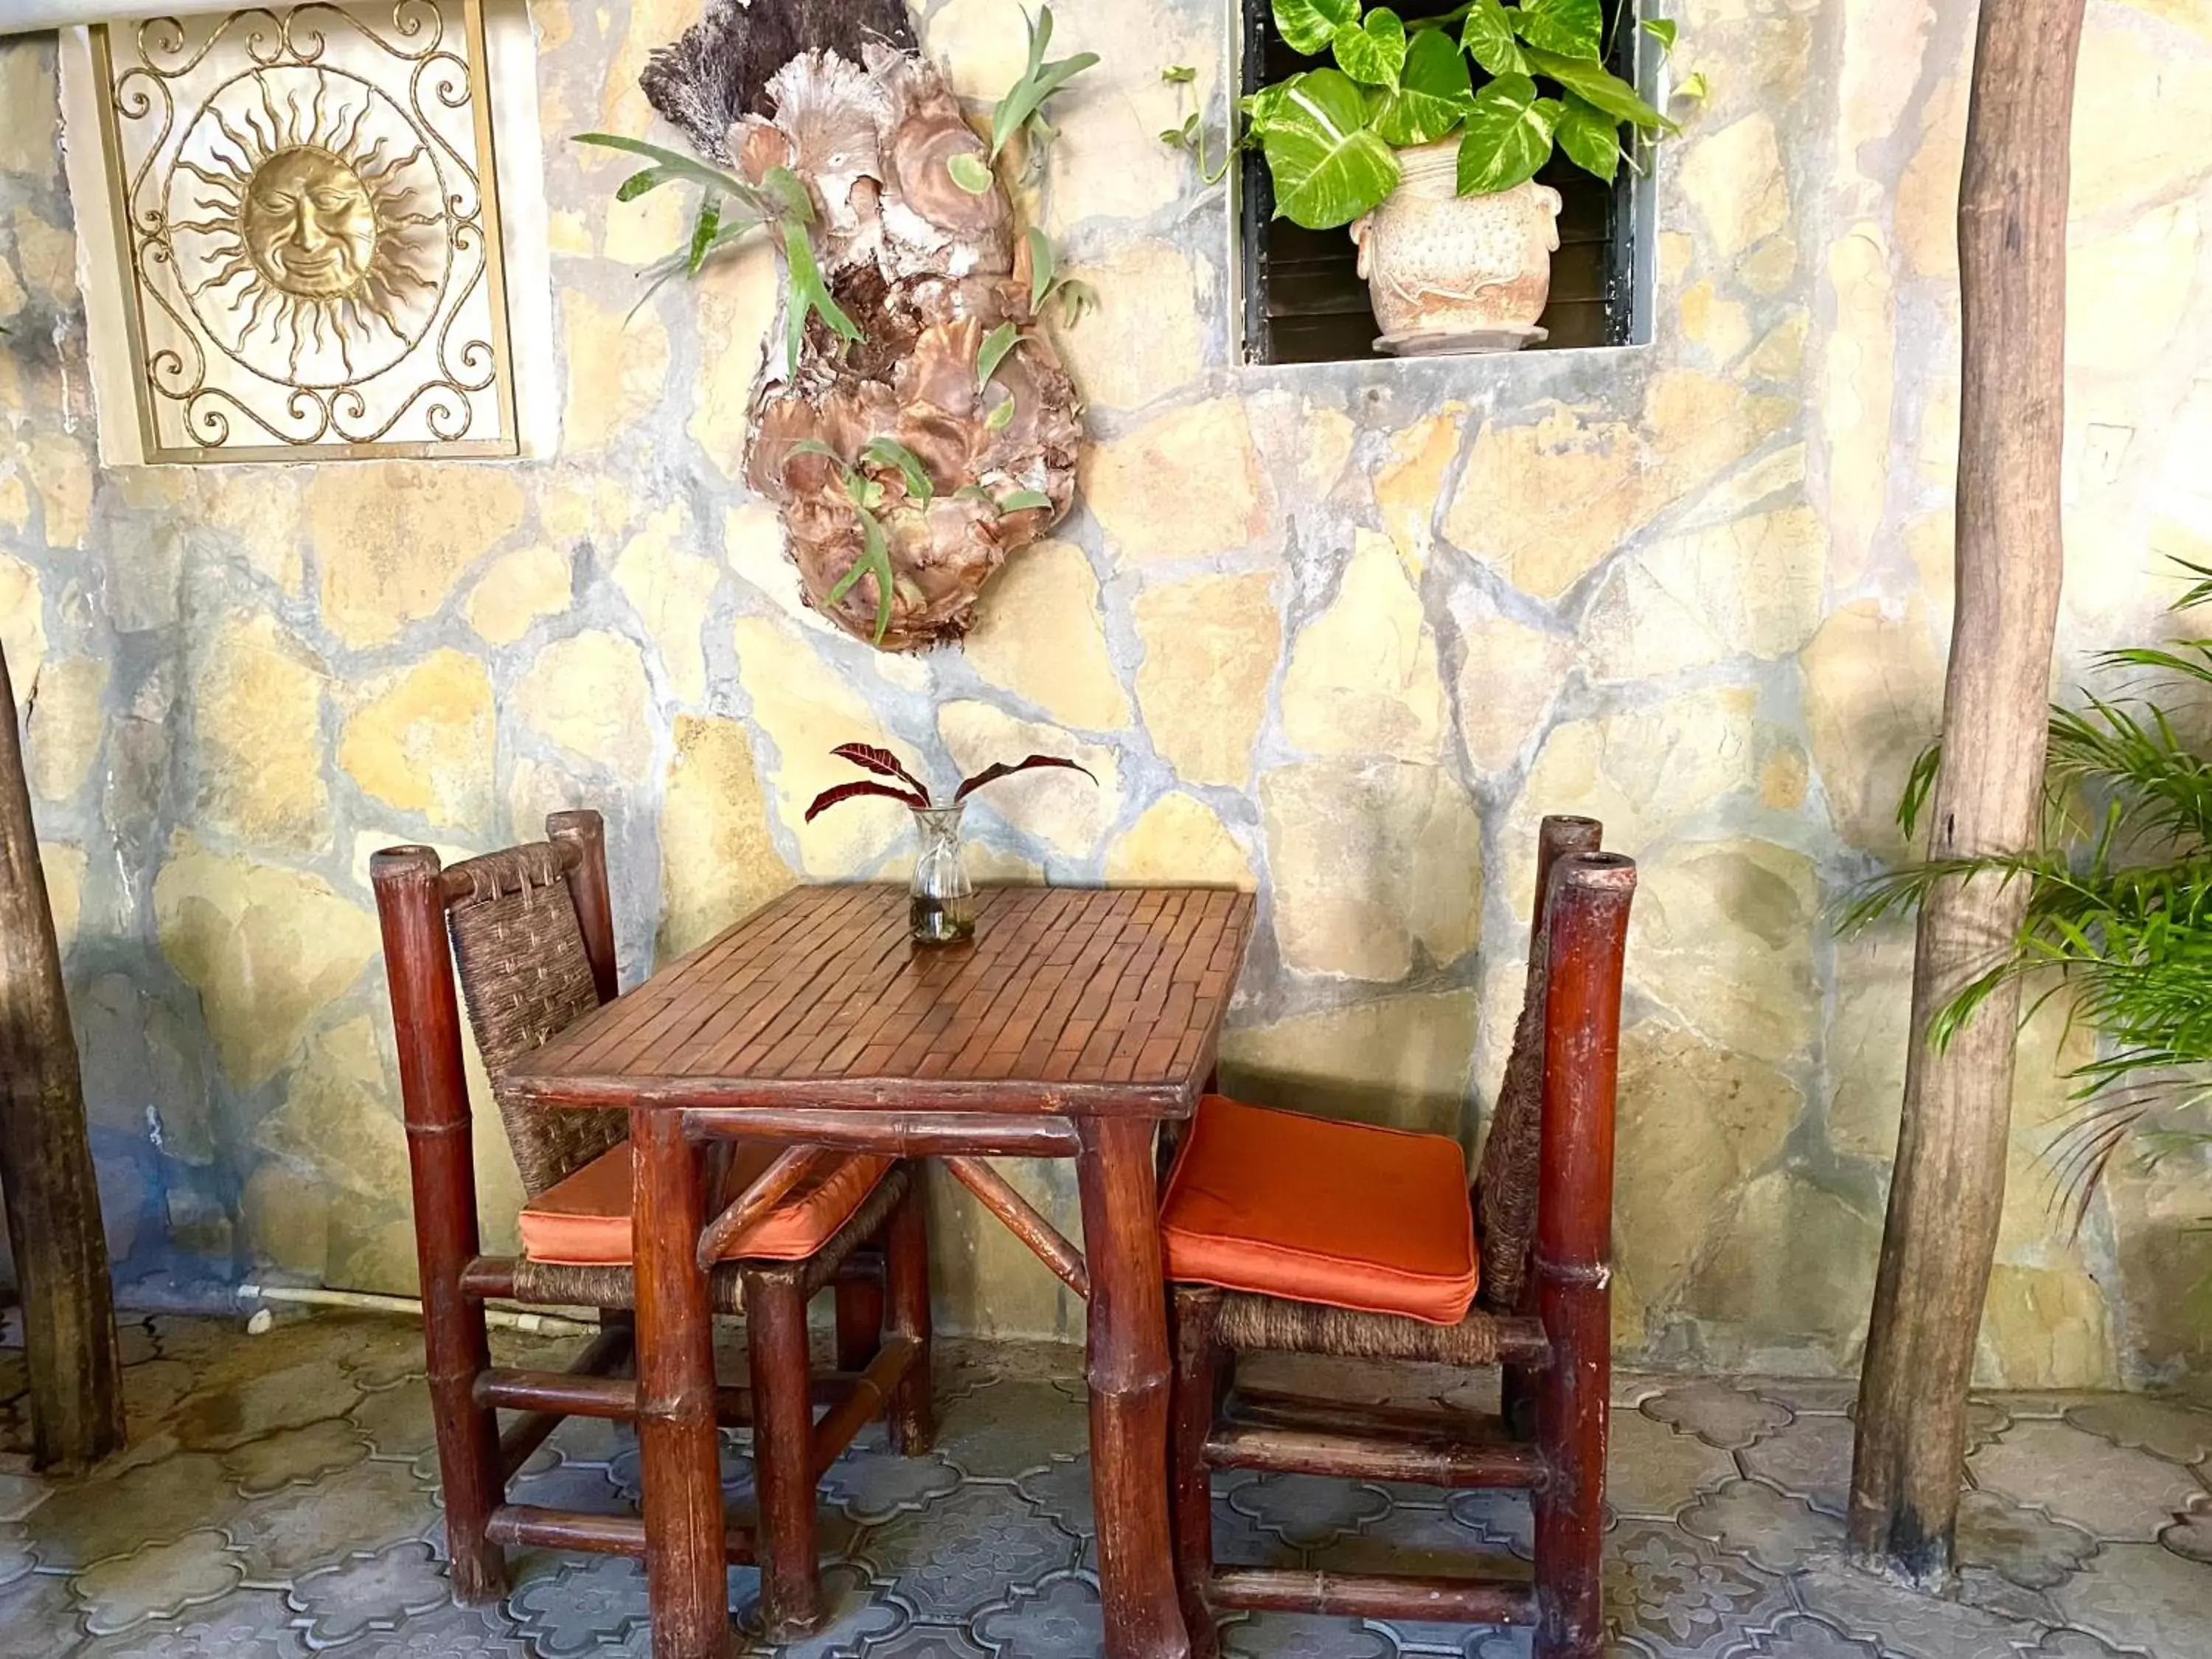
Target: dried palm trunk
[[1947, 1193], [45, 1161], [925, 270]]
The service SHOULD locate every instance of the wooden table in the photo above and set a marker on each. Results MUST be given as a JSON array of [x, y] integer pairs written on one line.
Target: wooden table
[[1074, 1024]]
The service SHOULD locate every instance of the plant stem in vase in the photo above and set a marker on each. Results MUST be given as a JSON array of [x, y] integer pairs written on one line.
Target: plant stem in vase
[[941, 905]]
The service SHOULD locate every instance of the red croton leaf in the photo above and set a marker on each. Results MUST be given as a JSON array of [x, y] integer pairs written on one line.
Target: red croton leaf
[[829, 798], [993, 774], [882, 762]]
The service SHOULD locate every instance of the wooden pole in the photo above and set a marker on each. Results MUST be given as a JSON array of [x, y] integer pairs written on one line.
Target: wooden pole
[[45, 1160], [1947, 1188]]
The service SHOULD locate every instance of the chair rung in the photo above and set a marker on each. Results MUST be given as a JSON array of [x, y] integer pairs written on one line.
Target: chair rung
[[526, 1526], [1287, 1434], [1374, 1596], [566, 1393], [871, 1389]]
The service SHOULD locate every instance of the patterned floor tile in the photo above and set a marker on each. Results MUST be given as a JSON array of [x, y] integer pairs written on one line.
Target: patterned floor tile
[[583, 1605], [2190, 1534], [1719, 1414], [1307, 1512], [1425, 1542], [1907, 1623], [154, 1502], [1994, 1593], [863, 1608], [157, 1582], [1682, 1597], [2143, 1596], [2077, 1644], [1059, 1616], [250, 1625], [38, 1618], [874, 1483], [931, 1642], [1811, 1459], [2026, 1546], [279, 1498], [295, 1457], [1653, 1470], [967, 1550], [1770, 1530], [1012, 1428], [20, 1494], [255, 1405], [372, 1592], [1291, 1636], [399, 1423], [363, 1509], [1500, 1519], [1815, 1396], [1801, 1635], [2165, 1428], [2111, 1492], [447, 1632], [17, 1561], [153, 1392], [1061, 1492]]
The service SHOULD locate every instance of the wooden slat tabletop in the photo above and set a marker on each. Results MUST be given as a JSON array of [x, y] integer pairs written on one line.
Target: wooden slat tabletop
[[1067, 996]]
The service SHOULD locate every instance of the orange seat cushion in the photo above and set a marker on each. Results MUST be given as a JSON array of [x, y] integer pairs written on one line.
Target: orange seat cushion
[[1309, 1210], [585, 1220]]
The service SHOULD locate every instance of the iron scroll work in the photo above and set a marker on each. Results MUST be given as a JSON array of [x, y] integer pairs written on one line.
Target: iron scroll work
[[307, 202]]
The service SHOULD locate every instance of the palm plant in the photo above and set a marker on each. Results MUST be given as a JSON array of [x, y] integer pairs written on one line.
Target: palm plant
[[2119, 913]]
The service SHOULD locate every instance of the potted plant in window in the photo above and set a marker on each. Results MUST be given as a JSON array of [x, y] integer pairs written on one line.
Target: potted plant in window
[[1425, 136]]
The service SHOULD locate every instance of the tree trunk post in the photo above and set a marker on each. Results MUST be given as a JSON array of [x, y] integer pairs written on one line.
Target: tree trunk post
[[1947, 1188], [45, 1161]]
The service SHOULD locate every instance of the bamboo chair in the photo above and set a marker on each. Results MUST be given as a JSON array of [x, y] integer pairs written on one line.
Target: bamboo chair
[[531, 932], [1293, 1234]]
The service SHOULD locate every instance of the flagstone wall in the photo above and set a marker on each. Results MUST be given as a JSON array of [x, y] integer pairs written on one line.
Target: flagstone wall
[[1342, 632]]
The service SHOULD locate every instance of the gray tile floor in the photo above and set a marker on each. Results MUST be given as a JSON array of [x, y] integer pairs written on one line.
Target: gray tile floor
[[279, 1498]]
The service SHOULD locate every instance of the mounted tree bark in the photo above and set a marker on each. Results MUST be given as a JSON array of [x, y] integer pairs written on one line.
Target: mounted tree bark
[[46, 1162], [912, 421], [1948, 1186]]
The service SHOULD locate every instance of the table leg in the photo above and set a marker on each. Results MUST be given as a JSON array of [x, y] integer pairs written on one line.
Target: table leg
[[680, 1458], [1128, 1374]]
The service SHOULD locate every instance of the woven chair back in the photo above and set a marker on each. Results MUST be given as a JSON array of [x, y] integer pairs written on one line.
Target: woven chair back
[[526, 978], [1505, 1185]]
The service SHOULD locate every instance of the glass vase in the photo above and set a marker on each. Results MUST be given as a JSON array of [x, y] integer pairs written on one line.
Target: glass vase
[[941, 905]]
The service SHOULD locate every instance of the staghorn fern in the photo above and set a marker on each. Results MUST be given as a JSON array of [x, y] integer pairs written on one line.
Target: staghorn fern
[[2119, 907]]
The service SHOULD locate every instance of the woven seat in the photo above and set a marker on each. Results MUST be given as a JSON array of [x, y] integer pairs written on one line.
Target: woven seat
[[531, 934], [1288, 1233], [1346, 1215]]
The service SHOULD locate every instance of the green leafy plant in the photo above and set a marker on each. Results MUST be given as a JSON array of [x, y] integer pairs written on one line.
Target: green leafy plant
[[780, 200], [1024, 105], [1021, 108], [1513, 82], [866, 496], [2119, 910], [1077, 298]]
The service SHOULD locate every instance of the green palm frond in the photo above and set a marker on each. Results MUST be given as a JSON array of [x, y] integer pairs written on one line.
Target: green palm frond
[[2119, 911]]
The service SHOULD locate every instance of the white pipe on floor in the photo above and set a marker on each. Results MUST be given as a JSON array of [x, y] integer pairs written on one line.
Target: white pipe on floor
[[512, 1319]]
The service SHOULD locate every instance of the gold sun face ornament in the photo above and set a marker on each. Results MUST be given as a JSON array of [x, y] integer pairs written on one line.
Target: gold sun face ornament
[[305, 211], [309, 223]]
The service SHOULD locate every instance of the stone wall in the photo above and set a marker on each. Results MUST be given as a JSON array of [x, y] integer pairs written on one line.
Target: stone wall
[[1343, 632]]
